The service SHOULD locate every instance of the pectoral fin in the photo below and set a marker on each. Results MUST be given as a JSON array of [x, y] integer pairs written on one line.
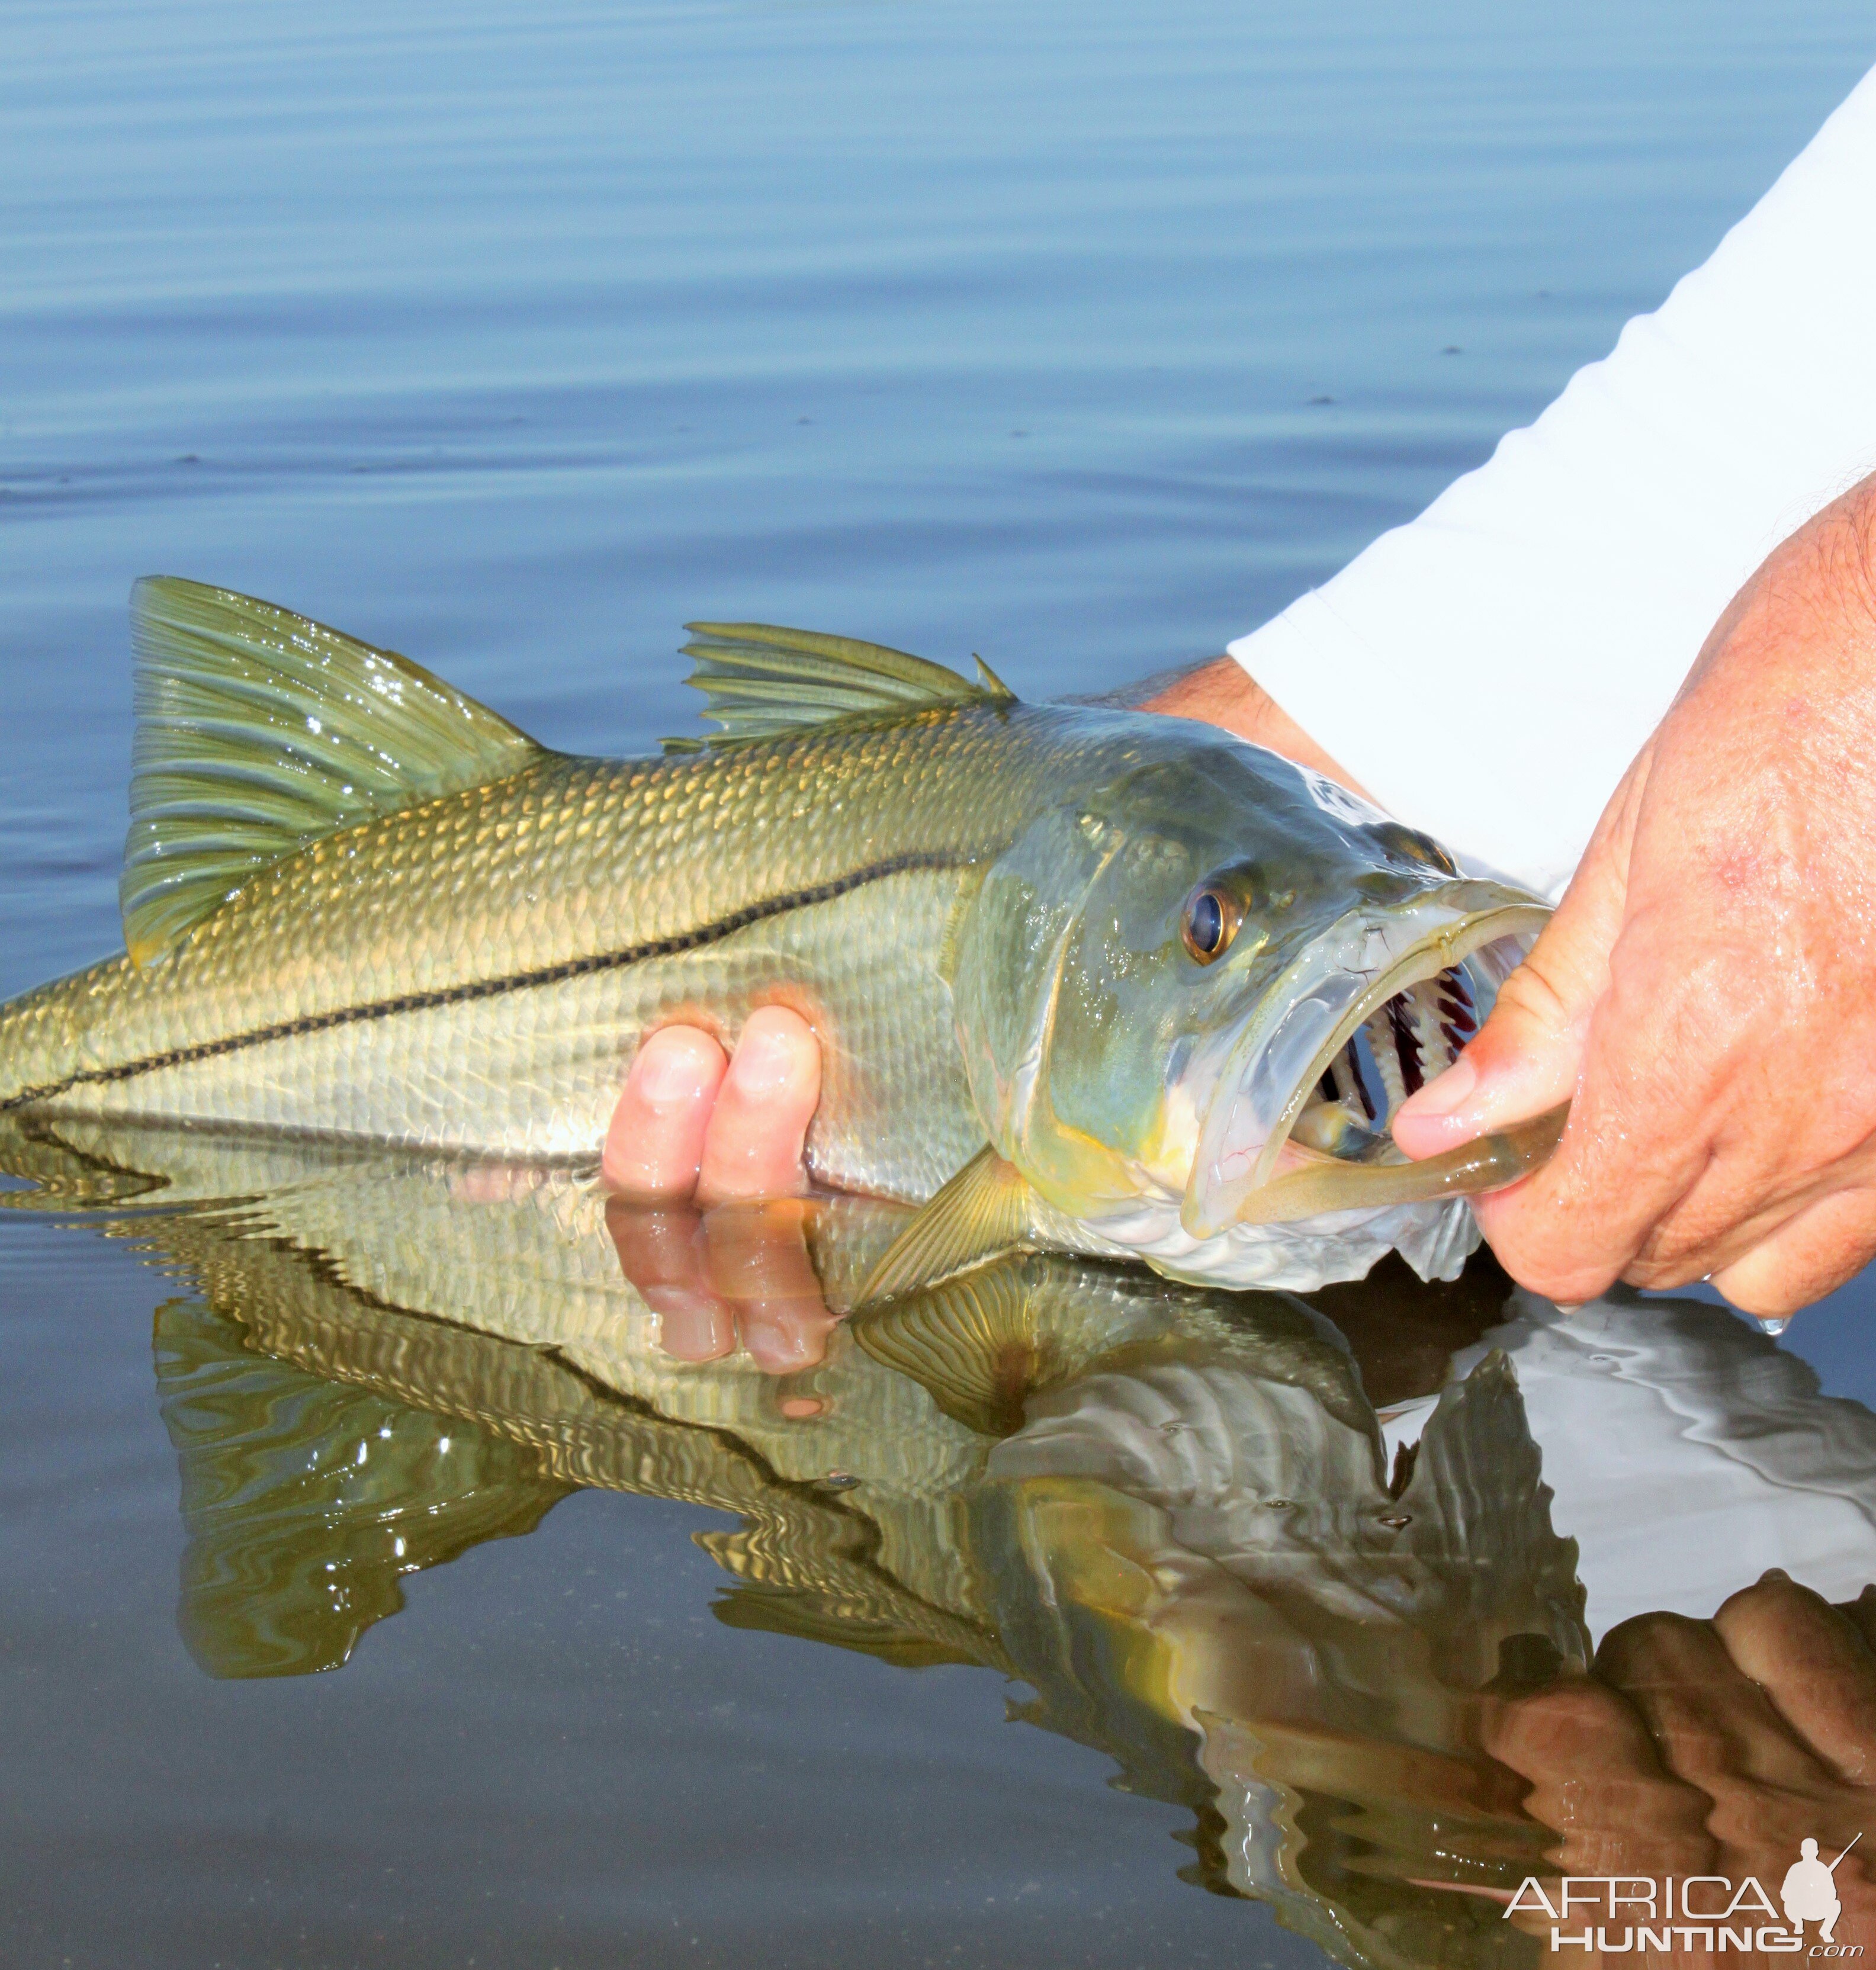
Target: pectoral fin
[[974, 1342], [986, 1208]]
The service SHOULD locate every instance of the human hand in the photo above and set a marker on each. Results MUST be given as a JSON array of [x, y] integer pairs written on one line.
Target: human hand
[[696, 1123], [1705, 996], [1709, 1747]]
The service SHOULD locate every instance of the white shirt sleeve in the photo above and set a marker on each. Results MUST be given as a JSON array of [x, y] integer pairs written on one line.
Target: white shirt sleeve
[[1489, 670]]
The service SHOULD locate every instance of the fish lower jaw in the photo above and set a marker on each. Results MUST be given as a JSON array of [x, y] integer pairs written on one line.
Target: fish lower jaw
[[1412, 1037], [1435, 1239], [1334, 1156]]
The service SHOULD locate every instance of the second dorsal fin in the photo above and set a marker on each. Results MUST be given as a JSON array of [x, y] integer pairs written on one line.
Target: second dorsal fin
[[257, 732], [760, 680]]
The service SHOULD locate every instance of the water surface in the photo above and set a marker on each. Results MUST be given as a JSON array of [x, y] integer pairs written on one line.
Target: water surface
[[1084, 336]]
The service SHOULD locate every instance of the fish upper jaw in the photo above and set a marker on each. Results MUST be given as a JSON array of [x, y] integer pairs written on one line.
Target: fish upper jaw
[[1393, 992], [1295, 1121]]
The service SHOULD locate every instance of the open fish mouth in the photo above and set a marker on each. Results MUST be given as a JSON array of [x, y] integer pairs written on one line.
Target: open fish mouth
[[1366, 1015]]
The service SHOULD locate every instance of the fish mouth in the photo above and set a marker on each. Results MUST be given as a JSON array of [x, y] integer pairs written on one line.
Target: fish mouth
[[1365, 1015]]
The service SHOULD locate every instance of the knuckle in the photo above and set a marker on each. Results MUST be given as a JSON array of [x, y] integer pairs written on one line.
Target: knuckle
[[1530, 996]]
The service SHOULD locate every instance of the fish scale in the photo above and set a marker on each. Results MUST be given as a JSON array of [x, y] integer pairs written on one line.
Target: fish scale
[[573, 862], [1045, 949]]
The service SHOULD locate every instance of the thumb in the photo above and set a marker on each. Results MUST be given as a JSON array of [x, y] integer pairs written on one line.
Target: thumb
[[1526, 1059]]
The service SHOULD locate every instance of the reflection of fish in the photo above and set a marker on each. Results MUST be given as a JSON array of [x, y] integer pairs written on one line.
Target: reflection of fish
[[1112, 980], [1166, 1509], [1211, 1548]]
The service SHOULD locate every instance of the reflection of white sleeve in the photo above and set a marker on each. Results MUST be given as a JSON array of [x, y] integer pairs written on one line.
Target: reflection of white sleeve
[[1489, 670], [1687, 1454]]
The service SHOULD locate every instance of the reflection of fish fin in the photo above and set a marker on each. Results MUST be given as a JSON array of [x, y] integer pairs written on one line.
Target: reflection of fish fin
[[40, 1170], [987, 1207], [760, 680], [1478, 1518], [812, 1618], [972, 1344], [257, 732], [304, 1502], [809, 1568]]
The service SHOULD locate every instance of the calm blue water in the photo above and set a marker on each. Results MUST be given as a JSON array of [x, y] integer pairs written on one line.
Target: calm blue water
[[512, 336]]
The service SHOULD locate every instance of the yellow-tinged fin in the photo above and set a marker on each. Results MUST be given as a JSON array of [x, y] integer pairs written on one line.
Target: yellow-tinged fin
[[760, 679], [975, 1343], [257, 732], [984, 1210]]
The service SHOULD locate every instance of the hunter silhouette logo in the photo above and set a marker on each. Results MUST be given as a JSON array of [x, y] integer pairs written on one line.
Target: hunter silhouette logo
[[1602, 1914], [1809, 1893]]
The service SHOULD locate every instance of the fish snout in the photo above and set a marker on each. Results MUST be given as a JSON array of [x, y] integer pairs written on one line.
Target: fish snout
[[1299, 1117]]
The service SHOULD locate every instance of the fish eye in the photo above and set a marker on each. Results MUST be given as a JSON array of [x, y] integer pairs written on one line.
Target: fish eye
[[1210, 922]]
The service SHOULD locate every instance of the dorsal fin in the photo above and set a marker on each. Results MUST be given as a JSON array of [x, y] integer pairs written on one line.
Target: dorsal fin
[[257, 732], [760, 680]]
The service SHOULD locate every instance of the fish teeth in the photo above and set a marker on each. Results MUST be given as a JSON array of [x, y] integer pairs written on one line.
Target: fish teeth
[[1427, 1020], [1383, 1043], [1458, 1015]]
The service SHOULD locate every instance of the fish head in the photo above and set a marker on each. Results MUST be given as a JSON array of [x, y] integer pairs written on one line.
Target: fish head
[[1192, 999]]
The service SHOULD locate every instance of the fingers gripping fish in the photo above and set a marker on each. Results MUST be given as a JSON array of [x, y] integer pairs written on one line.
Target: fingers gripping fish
[[1081, 977]]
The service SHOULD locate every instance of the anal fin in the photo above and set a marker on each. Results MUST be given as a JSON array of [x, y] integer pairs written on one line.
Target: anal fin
[[985, 1209]]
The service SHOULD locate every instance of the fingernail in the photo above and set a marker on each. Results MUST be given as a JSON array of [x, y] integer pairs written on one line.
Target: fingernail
[[667, 1076], [763, 1062], [1445, 1092]]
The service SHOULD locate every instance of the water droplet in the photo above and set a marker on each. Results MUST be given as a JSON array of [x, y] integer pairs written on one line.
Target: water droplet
[[1774, 1326], [1277, 1505]]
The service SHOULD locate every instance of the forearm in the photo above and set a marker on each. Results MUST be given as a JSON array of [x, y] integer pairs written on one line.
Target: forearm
[[1222, 693]]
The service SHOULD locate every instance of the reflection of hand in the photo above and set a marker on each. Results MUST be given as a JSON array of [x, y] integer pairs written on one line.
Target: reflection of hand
[[738, 1275], [1711, 1747], [1705, 996], [694, 1121]]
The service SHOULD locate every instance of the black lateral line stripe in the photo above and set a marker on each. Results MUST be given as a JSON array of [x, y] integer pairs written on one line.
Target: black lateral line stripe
[[492, 988]]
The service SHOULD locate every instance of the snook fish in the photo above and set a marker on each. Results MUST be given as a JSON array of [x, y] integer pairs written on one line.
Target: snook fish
[[1082, 977]]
